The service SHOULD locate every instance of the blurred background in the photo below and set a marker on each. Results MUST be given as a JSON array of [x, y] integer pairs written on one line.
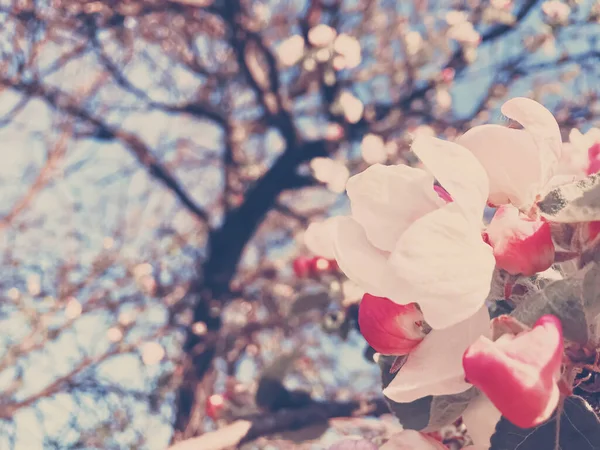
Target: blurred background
[[160, 161]]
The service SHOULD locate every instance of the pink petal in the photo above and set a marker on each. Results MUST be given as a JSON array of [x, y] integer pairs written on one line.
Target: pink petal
[[412, 440], [521, 245], [386, 200], [459, 173], [389, 328], [519, 373], [361, 262], [435, 366], [446, 266], [519, 163]]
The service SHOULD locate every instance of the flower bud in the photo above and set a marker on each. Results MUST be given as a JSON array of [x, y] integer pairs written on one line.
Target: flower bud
[[319, 265], [593, 159], [519, 373], [302, 266], [521, 245], [390, 328]]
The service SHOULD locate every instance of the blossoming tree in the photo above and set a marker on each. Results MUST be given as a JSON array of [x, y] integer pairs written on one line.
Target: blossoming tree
[[210, 205]]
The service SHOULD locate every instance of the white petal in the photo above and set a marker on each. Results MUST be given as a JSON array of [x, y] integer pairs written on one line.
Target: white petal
[[318, 237], [481, 417], [457, 171], [361, 262], [519, 163], [386, 200], [447, 266], [435, 366]]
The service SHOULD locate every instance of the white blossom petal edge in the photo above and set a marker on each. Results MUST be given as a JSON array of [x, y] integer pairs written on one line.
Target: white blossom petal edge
[[435, 366]]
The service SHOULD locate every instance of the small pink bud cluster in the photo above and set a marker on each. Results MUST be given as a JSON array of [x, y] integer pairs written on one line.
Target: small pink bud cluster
[[313, 267]]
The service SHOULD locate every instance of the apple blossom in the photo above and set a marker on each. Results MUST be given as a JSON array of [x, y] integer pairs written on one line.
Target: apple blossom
[[349, 49], [521, 245], [321, 35], [291, 50], [318, 238], [405, 243], [434, 367], [389, 328], [519, 373], [519, 163], [412, 440]]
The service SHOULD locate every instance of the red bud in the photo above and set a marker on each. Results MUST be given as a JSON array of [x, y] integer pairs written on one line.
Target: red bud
[[519, 373], [302, 266], [215, 405], [593, 159], [320, 265], [521, 245], [390, 328]]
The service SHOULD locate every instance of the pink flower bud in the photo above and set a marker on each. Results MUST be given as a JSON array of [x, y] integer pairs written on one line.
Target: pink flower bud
[[302, 266], [521, 245], [519, 373], [390, 328], [319, 265], [593, 159]]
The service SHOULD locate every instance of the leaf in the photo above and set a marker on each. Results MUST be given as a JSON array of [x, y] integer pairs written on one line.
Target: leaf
[[306, 302], [579, 430], [591, 292], [428, 413], [574, 202], [562, 298], [445, 409]]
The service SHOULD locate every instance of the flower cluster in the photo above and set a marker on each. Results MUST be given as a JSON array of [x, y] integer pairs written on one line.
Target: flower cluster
[[416, 242]]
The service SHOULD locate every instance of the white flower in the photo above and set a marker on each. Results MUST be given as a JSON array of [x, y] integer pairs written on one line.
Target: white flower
[[373, 149], [291, 50], [405, 243], [435, 366], [556, 11], [454, 17], [464, 33], [414, 42], [519, 163], [351, 106], [321, 35], [349, 48], [318, 238], [333, 173]]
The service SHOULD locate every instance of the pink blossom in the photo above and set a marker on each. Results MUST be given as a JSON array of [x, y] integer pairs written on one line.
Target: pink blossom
[[519, 163], [412, 440], [389, 328], [405, 243], [521, 245], [519, 373]]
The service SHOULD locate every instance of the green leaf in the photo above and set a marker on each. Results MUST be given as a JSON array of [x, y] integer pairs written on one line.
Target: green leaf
[[579, 430], [445, 409], [562, 298], [591, 291], [574, 202], [309, 301]]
